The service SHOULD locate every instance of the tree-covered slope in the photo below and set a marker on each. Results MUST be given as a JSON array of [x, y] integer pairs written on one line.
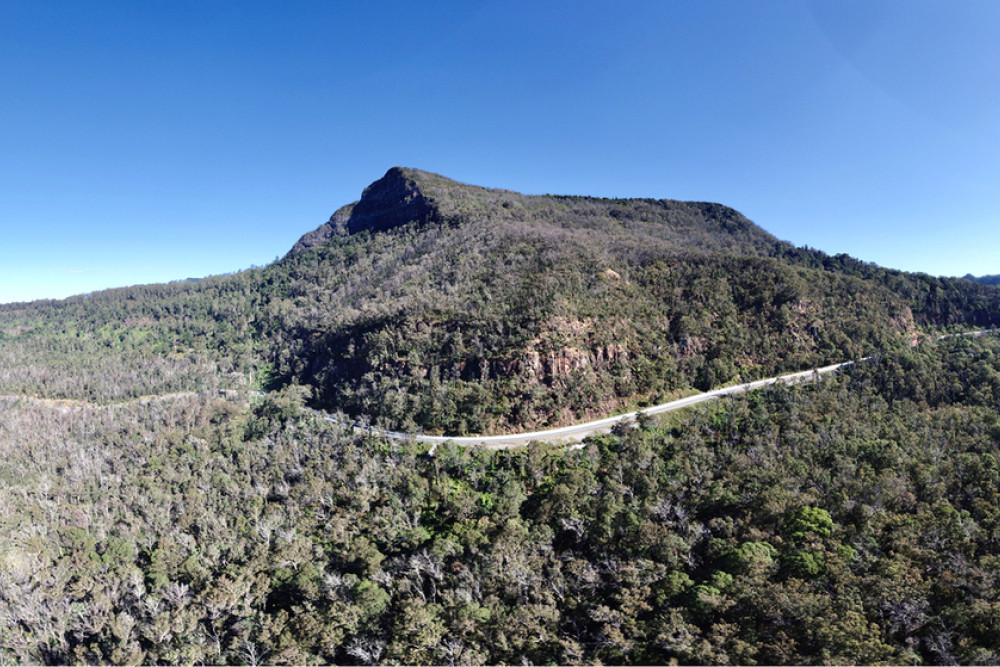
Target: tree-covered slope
[[465, 309], [849, 521], [437, 306], [122, 343]]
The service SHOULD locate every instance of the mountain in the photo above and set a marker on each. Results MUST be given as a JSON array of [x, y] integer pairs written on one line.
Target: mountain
[[406, 196], [431, 305], [451, 308], [150, 518], [985, 280]]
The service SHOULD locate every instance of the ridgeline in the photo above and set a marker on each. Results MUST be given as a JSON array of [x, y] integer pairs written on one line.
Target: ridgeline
[[438, 307], [151, 515]]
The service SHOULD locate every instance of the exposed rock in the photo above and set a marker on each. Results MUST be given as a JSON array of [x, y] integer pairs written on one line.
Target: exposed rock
[[904, 320], [692, 345], [392, 201], [532, 364], [562, 363], [335, 226], [609, 354]]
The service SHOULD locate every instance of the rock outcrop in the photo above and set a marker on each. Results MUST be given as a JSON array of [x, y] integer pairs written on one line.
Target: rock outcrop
[[392, 201]]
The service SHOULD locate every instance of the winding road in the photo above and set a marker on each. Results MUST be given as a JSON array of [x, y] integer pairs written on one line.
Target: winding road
[[574, 433], [578, 432]]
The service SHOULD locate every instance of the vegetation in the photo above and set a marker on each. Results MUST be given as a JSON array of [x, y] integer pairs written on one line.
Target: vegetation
[[852, 520], [154, 508], [985, 280], [439, 307], [123, 343]]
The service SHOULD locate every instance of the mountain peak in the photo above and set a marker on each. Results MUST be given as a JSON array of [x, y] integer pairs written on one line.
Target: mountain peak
[[406, 196], [392, 201]]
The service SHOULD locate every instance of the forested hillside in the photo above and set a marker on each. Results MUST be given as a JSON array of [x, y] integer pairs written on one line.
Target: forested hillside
[[853, 520], [433, 306], [119, 344], [146, 516]]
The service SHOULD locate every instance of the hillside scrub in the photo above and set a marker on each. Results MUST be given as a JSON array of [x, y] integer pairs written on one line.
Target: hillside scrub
[[501, 312], [444, 308], [852, 520]]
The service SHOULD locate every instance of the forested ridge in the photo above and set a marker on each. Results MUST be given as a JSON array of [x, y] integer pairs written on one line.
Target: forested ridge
[[985, 280], [444, 308], [850, 520]]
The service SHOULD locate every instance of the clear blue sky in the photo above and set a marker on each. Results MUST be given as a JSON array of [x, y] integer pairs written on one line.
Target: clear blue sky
[[149, 141]]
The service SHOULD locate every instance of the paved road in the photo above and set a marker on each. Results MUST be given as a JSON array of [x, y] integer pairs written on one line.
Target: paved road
[[980, 332], [578, 432], [574, 433]]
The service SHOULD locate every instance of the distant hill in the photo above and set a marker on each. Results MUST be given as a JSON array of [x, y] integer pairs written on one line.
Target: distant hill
[[437, 306], [985, 280]]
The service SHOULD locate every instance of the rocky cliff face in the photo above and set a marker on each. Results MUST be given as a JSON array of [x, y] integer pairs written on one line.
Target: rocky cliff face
[[392, 201]]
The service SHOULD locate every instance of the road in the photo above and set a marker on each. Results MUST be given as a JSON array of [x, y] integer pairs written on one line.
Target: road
[[574, 433], [578, 432], [78, 404]]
